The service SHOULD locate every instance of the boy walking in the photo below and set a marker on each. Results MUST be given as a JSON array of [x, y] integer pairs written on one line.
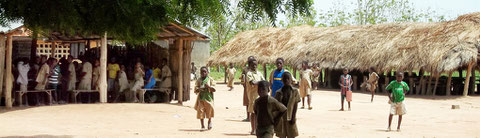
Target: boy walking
[[204, 104], [372, 82], [306, 85], [231, 75], [253, 77], [289, 97], [267, 110], [397, 90]]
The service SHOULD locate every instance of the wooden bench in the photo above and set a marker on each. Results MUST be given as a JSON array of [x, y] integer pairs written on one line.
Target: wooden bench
[[76, 92], [48, 91], [143, 91]]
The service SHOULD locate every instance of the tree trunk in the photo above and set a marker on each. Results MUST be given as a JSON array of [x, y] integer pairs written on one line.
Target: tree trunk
[[33, 47], [103, 70], [225, 76], [436, 84], [8, 73], [265, 70], [467, 79], [180, 72], [449, 84]]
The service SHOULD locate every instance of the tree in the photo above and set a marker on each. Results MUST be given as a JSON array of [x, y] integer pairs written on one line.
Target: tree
[[129, 20], [296, 20], [377, 11]]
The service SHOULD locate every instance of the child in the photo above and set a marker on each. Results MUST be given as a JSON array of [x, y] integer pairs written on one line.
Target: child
[[289, 97], [243, 79], [42, 76], [138, 84], [72, 75], [204, 104], [96, 74], [149, 77], [123, 85], [86, 76], [267, 110], [372, 82], [397, 90], [22, 79], [231, 75], [345, 83], [253, 77], [306, 84], [276, 76]]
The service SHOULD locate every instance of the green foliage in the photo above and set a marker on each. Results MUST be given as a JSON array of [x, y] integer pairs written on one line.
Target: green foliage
[[294, 19], [226, 26], [134, 21], [273, 7], [375, 12]]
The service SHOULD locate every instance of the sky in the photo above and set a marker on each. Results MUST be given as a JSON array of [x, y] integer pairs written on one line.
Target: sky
[[451, 9]]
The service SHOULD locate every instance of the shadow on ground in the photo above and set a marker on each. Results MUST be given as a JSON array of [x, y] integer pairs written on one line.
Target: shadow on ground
[[40, 136]]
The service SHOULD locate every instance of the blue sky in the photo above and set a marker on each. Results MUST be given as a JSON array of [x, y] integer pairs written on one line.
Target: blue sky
[[449, 8]]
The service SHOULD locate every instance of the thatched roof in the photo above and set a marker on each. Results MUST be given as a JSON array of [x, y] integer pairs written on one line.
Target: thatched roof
[[437, 47]]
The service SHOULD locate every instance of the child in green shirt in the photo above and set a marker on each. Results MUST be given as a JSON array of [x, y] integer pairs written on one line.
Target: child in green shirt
[[204, 104], [397, 90]]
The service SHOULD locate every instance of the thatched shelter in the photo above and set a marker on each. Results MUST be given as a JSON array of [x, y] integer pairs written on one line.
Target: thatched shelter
[[434, 47], [440, 47]]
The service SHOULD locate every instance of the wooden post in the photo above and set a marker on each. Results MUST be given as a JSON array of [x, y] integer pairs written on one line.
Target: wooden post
[[355, 79], [103, 70], [328, 79], [429, 85], [225, 76], [411, 82], [180, 71], [436, 84], [387, 80], [295, 71], [467, 79], [2, 61], [8, 73], [54, 47], [449, 83], [473, 80], [421, 82], [265, 70]]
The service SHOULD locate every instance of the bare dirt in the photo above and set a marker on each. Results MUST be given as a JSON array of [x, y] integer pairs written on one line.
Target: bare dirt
[[426, 117]]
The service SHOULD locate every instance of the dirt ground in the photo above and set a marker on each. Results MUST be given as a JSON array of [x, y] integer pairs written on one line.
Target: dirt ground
[[426, 117]]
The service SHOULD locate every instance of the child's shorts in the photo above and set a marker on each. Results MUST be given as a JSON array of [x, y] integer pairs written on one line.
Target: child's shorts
[[398, 108]]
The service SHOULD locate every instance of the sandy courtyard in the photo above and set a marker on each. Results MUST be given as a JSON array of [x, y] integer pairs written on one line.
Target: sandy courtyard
[[426, 117]]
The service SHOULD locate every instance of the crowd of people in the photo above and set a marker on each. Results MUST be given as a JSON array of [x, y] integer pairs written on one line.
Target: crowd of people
[[68, 74], [272, 105]]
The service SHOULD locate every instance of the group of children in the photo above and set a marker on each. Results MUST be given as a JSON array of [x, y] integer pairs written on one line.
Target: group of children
[[275, 113], [60, 76], [67, 75]]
